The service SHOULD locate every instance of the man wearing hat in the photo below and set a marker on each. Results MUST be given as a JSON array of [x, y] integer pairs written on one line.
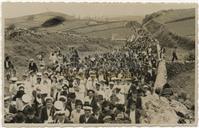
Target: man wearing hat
[[174, 54], [61, 115], [32, 66], [18, 97], [109, 90], [26, 99], [31, 118], [77, 112], [91, 98], [47, 111], [70, 104], [92, 80], [98, 90], [87, 117], [64, 91], [33, 78], [106, 111]]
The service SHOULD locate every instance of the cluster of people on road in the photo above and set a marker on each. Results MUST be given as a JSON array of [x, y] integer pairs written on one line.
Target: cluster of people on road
[[99, 88]]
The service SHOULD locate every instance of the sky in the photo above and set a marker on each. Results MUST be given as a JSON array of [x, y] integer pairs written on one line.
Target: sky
[[11, 10]]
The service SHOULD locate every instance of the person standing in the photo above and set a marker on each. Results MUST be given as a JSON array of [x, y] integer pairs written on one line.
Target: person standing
[[32, 66], [87, 117], [174, 54]]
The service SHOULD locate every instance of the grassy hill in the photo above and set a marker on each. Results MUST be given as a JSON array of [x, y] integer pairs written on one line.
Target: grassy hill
[[25, 37], [173, 27], [176, 28], [180, 22]]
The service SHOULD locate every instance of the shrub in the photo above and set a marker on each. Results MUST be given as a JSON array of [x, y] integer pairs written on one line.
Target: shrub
[[53, 21]]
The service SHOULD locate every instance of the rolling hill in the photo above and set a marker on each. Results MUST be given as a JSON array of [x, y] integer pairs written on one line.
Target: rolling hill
[[26, 36], [176, 28], [173, 27]]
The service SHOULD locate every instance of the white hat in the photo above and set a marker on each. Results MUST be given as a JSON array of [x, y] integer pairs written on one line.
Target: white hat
[[6, 98], [65, 82], [14, 79], [26, 98], [59, 105], [92, 72], [60, 77], [115, 78], [87, 108], [111, 82], [86, 99], [39, 74], [92, 58], [107, 117], [31, 59], [21, 86], [145, 86], [49, 98], [60, 112]]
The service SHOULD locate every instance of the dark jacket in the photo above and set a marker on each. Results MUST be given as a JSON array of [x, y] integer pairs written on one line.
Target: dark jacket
[[34, 120], [93, 103], [33, 67], [44, 115], [91, 119]]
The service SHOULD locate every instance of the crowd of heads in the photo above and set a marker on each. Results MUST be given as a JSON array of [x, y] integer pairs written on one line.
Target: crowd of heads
[[99, 88]]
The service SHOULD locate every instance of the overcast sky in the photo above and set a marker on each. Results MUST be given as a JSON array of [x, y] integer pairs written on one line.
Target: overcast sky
[[11, 10]]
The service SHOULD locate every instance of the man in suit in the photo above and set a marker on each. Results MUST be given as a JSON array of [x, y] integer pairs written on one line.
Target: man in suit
[[31, 118], [47, 112], [87, 117], [91, 98]]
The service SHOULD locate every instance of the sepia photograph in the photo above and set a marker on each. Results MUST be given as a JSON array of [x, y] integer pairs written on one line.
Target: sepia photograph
[[93, 64]]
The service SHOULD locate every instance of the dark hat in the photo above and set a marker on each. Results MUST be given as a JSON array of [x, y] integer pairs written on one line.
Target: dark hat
[[120, 107], [78, 102], [86, 103], [20, 94], [19, 117], [97, 84], [71, 95], [95, 109], [105, 104], [30, 110]]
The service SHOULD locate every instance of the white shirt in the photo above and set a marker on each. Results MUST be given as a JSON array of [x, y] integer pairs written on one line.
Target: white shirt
[[13, 89], [76, 115], [90, 84]]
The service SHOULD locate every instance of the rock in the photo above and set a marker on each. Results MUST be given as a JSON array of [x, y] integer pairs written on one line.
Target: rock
[[179, 107], [157, 111]]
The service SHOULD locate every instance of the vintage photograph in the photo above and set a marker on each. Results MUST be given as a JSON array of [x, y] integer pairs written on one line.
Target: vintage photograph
[[99, 63]]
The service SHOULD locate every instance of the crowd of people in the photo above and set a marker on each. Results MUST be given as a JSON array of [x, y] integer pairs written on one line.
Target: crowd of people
[[100, 88]]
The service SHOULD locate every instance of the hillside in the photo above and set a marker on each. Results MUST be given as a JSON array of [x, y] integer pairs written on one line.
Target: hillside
[[181, 22], [27, 36], [176, 28], [173, 28], [87, 27]]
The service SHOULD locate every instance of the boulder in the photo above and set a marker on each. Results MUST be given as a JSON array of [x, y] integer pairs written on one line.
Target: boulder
[[157, 110], [179, 107]]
